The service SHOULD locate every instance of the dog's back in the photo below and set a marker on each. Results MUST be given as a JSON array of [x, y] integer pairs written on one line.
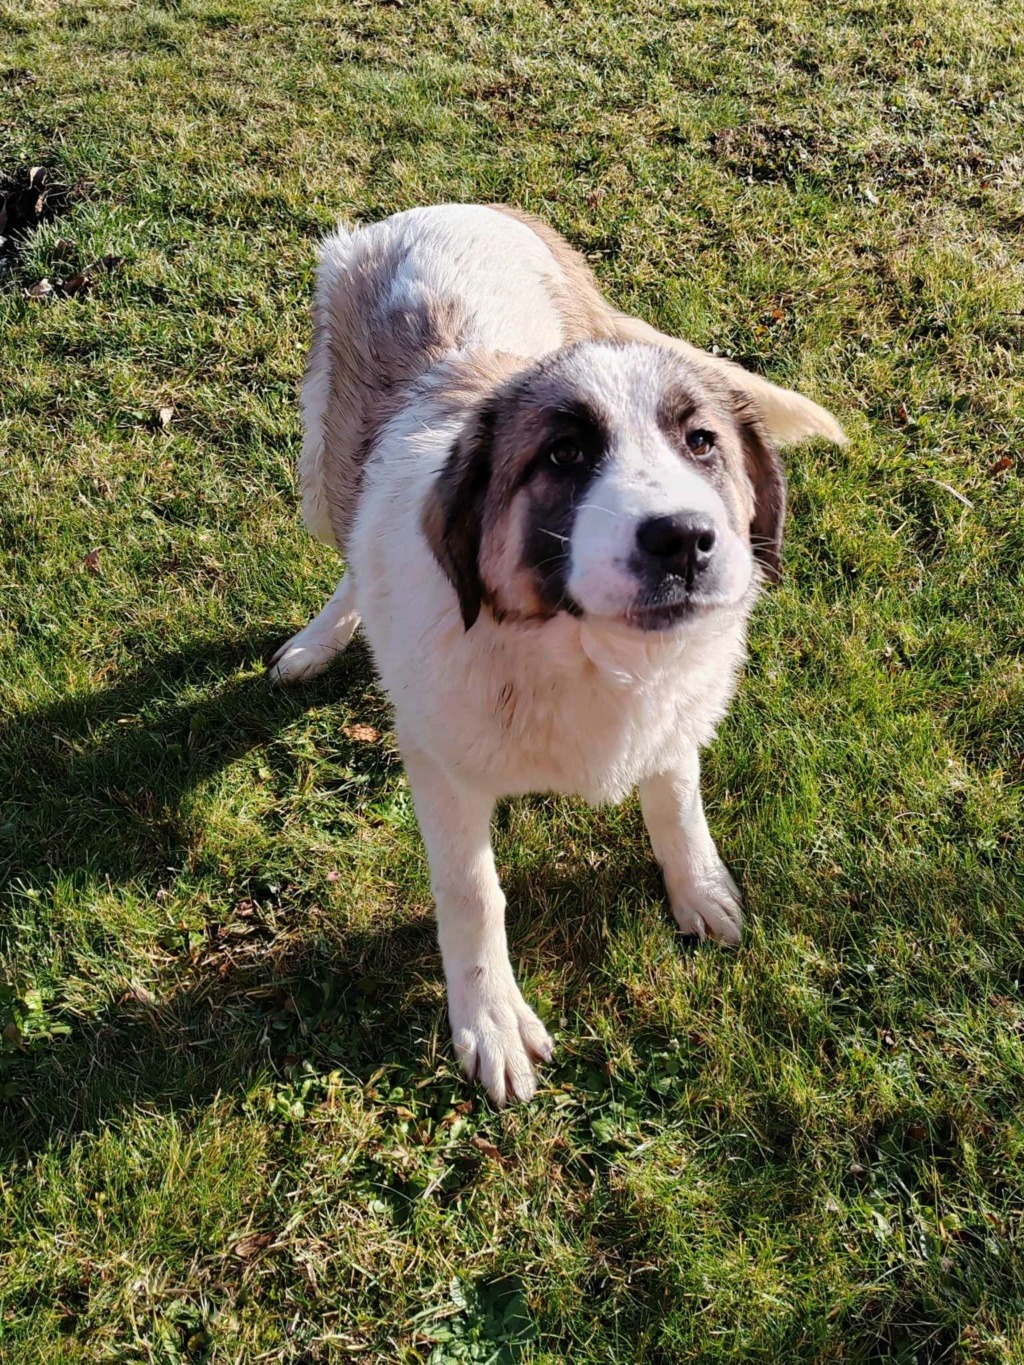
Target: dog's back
[[394, 299]]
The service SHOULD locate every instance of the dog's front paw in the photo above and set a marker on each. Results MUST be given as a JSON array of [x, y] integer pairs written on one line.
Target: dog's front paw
[[706, 901], [498, 1038], [299, 659], [312, 650]]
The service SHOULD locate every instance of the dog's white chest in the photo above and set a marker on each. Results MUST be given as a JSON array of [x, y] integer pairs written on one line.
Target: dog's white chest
[[557, 706]]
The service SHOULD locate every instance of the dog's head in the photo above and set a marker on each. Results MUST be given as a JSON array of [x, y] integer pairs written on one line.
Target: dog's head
[[611, 481]]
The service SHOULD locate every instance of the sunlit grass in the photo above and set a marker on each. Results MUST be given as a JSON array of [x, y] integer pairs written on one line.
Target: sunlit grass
[[231, 1127]]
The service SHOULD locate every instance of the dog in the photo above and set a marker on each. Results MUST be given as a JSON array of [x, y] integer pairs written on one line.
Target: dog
[[555, 522]]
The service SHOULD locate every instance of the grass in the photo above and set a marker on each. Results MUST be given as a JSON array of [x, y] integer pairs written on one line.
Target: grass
[[231, 1129]]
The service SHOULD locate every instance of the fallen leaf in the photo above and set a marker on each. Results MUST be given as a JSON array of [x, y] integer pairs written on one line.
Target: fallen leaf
[[251, 1245], [163, 417], [902, 415], [86, 277], [76, 283], [488, 1149], [917, 1131], [40, 290], [366, 733], [140, 995], [1004, 462], [92, 561], [37, 182]]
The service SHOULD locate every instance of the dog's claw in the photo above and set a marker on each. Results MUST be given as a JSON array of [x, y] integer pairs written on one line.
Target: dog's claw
[[497, 1040], [294, 662], [709, 907]]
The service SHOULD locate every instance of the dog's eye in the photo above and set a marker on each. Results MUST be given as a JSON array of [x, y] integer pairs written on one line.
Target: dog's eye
[[565, 454], [701, 442]]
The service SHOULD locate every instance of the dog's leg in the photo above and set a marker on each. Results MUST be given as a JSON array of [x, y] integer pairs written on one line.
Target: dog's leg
[[497, 1036], [316, 645], [702, 894]]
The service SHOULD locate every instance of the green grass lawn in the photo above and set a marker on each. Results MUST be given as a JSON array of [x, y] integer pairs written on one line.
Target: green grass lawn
[[231, 1128]]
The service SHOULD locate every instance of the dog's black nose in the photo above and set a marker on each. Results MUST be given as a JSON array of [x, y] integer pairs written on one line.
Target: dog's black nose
[[682, 544]]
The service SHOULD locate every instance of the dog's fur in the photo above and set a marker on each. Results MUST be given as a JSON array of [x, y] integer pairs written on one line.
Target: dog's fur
[[556, 521]]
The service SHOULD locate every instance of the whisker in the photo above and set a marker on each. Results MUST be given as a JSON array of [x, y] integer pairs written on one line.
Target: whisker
[[554, 559]]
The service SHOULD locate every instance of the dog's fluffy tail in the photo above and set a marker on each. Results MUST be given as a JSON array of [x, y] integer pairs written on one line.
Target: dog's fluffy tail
[[317, 390], [377, 329]]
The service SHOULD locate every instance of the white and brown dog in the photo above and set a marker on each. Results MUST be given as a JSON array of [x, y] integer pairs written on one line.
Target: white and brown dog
[[555, 522]]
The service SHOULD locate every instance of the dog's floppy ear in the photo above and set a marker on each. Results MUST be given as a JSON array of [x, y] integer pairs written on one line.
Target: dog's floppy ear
[[454, 511], [768, 481], [787, 416]]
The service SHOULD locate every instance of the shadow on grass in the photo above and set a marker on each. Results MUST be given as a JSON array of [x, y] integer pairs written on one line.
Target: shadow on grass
[[249, 1008], [251, 1005], [98, 781], [102, 786]]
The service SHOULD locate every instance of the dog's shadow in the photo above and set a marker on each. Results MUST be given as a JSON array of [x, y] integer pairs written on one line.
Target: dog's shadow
[[100, 782], [249, 1018], [102, 799]]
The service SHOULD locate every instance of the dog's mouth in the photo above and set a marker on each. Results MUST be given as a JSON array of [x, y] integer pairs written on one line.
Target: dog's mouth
[[654, 612], [663, 616], [653, 616]]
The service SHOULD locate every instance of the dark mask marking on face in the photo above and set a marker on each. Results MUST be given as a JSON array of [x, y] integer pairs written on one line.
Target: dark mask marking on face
[[555, 483], [691, 431], [706, 435], [703, 440]]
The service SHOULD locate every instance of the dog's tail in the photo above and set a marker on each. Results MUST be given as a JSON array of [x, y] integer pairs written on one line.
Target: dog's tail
[[319, 401], [377, 329]]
